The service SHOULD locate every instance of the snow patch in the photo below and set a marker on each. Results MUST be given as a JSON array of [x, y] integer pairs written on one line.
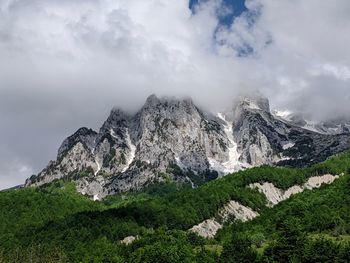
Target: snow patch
[[288, 145], [98, 166], [112, 133], [283, 114], [179, 163], [189, 180], [132, 148], [233, 164], [251, 104]]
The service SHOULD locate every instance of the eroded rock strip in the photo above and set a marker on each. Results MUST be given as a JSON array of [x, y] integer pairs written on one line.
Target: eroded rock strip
[[232, 210], [275, 195], [235, 211], [207, 229]]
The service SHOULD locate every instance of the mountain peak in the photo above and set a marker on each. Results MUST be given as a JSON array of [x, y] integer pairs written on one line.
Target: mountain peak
[[84, 135], [152, 100], [254, 101], [117, 118]]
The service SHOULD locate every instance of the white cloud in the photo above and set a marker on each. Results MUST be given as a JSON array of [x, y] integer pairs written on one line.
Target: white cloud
[[338, 71], [303, 43]]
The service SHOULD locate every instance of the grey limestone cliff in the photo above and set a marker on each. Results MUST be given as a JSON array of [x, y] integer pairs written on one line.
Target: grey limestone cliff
[[172, 139]]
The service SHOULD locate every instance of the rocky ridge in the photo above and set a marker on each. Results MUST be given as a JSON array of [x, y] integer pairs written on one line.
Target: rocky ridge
[[172, 139]]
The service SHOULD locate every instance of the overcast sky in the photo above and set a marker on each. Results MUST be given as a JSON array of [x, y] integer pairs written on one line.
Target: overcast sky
[[65, 63]]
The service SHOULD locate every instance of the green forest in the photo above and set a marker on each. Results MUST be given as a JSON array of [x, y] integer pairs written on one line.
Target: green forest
[[54, 223]]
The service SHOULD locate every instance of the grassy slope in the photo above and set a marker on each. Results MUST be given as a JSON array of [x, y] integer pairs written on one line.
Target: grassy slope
[[57, 216]]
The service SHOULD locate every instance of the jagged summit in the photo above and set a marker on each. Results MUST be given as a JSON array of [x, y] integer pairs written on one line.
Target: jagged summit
[[83, 135], [172, 139], [154, 101], [255, 101]]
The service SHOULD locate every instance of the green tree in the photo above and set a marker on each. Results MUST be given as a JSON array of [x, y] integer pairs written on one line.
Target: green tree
[[239, 249]]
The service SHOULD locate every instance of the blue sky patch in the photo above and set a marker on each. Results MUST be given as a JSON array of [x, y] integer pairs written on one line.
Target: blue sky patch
[[237, 7]]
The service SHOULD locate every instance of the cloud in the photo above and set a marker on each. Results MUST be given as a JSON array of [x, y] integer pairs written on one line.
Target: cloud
[[300, 53], [14, 170], [65, 64]]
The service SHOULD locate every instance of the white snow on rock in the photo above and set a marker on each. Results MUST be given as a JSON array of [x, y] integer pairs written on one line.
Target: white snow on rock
[[283, 114], [233, 164], [132, 148], [276, 195], [112, 133], [191, 182], [250, 103], [98, 165], [288, 145]]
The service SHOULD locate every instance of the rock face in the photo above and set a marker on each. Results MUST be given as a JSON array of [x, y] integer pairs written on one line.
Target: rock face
[[172, 139], [262, 138]]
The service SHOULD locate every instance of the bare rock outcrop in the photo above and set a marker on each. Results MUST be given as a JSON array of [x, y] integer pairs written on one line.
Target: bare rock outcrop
[[231, 211], [207, 229], [128, 240], [235, 211], [275, 195]]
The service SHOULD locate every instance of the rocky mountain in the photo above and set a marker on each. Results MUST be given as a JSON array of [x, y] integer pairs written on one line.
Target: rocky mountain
[[172, 139]]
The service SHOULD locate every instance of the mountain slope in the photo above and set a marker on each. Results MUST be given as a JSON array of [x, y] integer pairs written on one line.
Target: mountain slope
[[171, 139]]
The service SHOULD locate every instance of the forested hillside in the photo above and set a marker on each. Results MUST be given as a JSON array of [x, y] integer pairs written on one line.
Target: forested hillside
[[54, 223]]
